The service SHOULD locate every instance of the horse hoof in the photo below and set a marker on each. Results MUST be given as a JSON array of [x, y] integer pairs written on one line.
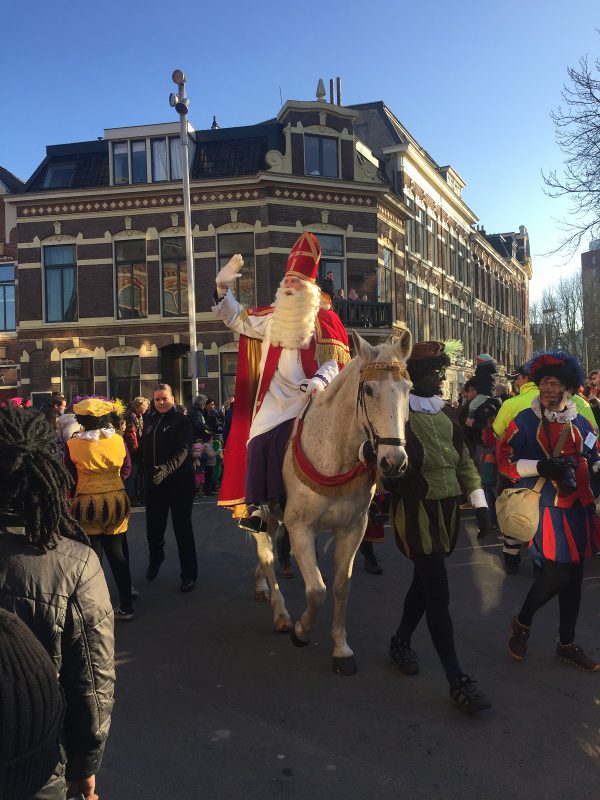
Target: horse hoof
[[261, 596], [283, 624], [296, 641], [345, 665]]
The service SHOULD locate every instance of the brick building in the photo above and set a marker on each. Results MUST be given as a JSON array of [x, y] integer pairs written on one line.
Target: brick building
[[9, 353], [590, 279], [101, 258]]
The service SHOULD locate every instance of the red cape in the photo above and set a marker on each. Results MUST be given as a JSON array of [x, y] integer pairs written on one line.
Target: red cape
[[329, 342]]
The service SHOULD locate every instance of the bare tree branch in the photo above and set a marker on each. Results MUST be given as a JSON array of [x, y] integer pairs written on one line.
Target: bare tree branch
[[577, 126]]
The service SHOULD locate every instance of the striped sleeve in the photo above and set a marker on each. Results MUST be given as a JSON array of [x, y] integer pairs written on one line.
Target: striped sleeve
[[509, 451]]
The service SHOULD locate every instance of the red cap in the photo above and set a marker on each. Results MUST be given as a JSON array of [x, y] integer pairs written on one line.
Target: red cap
[[303, 260]]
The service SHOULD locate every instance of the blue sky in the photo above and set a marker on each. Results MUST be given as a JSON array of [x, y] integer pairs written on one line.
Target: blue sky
[[474, 82]]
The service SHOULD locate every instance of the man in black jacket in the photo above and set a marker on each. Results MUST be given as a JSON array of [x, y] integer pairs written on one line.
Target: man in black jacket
[[52, 580], [169, 485]]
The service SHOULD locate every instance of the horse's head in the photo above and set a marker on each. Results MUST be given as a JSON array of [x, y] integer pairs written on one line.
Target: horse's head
[[383, 399]]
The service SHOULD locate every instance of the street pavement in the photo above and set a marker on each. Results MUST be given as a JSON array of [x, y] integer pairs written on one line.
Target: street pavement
[[211, 703]]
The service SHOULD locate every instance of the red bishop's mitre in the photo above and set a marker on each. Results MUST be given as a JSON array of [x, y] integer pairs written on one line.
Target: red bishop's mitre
[[303, 260]]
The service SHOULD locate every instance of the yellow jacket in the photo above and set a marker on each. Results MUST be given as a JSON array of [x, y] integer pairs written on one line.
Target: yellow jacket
[[98, 463], [514, 405]]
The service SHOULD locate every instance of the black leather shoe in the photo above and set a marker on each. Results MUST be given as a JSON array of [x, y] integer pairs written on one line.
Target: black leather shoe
[[152, 571], [404, 656], [187, 584]]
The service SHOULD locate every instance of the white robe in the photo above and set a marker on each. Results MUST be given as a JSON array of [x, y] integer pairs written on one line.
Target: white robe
[[284, 399]]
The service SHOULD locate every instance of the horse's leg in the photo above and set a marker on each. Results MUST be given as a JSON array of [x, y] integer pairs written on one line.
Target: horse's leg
[[261, 587], [345, 551], [303, 542], [264, 547]]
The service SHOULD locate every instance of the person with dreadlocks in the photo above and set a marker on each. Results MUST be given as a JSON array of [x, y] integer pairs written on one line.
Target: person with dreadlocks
[[52, 580], [98, 460], [425, 517], [551, 440]]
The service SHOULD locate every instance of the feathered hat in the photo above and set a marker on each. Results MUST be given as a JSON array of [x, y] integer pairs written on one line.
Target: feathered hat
[[556, 364], [304, 257]]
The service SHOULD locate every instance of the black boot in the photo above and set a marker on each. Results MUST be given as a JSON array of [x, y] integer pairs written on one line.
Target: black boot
[[404, 656]]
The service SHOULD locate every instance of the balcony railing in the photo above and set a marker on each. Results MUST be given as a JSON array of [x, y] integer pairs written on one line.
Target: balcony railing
[[364, 314]]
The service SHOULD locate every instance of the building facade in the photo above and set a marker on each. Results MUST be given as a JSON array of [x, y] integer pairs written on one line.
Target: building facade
[[590, 279], [9, 353], [102, 284]]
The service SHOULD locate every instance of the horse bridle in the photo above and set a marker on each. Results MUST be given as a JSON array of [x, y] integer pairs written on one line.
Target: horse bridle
[[377, 370]]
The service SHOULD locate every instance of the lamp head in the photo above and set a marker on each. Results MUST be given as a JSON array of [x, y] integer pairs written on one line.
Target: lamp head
[[178, 76]]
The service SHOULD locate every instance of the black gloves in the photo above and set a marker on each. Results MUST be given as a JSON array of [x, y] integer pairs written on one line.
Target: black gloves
[[164, 470], [483, 522], [552, 469]]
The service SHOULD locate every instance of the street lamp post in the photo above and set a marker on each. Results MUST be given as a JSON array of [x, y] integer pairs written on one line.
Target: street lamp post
[[181, 104], [586, 351]]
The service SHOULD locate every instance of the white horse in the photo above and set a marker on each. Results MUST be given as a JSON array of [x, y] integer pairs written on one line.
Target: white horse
[[368, 400]]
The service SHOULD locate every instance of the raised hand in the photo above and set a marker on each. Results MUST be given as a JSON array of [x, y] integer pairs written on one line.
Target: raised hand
[[229, 273]]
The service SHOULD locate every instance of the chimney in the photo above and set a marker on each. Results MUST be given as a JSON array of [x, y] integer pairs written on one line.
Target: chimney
[[338, 86], [331, 90]]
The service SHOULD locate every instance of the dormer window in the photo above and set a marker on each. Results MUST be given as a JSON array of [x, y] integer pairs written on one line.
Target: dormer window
[[59, 176], [129, 162], [321, 156]]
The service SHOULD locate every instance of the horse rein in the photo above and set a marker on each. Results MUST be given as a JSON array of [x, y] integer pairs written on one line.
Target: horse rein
[[377, 370]]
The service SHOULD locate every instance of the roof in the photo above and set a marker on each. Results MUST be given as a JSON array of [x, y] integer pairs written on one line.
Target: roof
[[13, 184], [230, 152], [90, 160]]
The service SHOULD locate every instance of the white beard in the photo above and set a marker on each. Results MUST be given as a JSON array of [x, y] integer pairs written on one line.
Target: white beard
[[293, 320]]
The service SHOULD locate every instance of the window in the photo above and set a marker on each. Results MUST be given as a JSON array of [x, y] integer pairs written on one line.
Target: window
[[228, 370], [7, 297], [159, 159], [138, 162], [174, 277], [78, 377], [9, 374], [421, 242], [384, 289], [175, 158], [120, 163], [61, 283], [59, 176], [434, 317], [411, 308], [129, 162], [320, 156], [243, 243], [166, 159], [132, 283], [422, 315], [124, 377], [332, 259]]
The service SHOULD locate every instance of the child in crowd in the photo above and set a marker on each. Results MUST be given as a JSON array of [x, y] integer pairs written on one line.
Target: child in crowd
[[199, 461]]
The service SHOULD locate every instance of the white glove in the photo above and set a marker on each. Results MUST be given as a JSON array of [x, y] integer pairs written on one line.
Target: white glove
[[477, 499], [315, 385], [229, 274], [596, 467]]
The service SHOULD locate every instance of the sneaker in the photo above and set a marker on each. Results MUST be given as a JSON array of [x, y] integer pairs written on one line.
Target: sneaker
[[404, 656], [372, 566], [466, 697], [125, 615], [571, 654], [285, 570], [187, 584], [517, 641]]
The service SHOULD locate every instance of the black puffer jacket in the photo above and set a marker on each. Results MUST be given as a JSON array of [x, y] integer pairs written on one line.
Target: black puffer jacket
[[63, 597]]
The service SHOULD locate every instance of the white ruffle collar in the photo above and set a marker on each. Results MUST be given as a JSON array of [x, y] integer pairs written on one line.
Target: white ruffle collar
[[568, 413], [426, 405], [94, 436]]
